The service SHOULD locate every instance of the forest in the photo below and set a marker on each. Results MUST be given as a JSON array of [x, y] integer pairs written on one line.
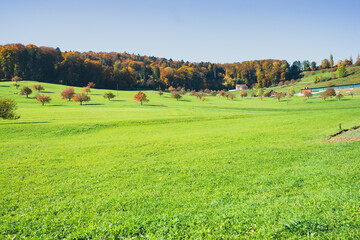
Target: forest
[[129, 71]]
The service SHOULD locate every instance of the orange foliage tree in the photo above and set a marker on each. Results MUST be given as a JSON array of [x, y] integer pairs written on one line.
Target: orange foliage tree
[[38, 87], [43, 99], [140, 97], [68, 93], [81, 97]]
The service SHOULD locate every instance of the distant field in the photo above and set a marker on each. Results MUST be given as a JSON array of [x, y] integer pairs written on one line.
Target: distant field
[[221, 169]]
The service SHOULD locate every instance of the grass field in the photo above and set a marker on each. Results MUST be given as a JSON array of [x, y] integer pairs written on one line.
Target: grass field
[[220, 169]]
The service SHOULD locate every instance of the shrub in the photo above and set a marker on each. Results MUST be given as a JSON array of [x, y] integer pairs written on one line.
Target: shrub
[[140, 97], [260, 92], [7, 109], [176, 95], [287, 82], [267, 94], [81, 97], [312, 73], [182, 91], [317, 79], [291, 91], [160, 93], [38, 87], [339, 96], [322, 70], [230, 96], [25, 91], [243, 94], [170, 89], [43, 99], [109, 95], [68, 93], [202, 99]]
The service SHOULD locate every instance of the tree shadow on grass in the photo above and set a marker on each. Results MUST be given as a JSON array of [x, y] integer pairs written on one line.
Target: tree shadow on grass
[[184, 100], [46, 92], [4, 86], [117, 100], [93, 104], [9, 123], [155, 105]]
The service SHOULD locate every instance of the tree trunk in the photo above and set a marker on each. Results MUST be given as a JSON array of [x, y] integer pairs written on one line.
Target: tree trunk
[[80, 103], [141, 102], [42, 103]]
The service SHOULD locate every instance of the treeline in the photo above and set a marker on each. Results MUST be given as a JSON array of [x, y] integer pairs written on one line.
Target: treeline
[[129, 71]]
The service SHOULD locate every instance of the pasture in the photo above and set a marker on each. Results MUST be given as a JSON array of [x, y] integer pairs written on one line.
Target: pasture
[[218, 169]]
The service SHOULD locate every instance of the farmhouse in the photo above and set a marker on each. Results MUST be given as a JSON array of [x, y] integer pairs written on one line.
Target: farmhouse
[[241, 86], [305, 90]]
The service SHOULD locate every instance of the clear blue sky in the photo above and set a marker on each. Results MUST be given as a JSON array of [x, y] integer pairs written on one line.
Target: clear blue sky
[[193, 30]]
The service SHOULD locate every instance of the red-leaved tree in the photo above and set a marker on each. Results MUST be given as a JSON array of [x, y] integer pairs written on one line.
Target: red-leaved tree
[[140, 97], [38, 87], [68, 93]]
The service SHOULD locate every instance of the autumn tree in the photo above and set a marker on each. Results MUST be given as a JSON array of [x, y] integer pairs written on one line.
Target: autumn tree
[[330, 92], [38, 87], [222, 93], [109, 95], [160, 93], [279, 95], [68, 93], [91, 85], [140, 97], [16, 85], [202, 99], [81, 97], [43, 99], [308, 94], [16, 79], [86, 89], [230, 96], [243, 94], [325, 64], [176, 95], [25, 91], [7, 109], [313, 66]]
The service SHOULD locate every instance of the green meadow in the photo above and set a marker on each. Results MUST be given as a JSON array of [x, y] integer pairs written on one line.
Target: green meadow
[[168, 169]]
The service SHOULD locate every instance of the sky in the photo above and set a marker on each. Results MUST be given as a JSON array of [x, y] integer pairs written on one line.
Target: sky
[[221, 31]]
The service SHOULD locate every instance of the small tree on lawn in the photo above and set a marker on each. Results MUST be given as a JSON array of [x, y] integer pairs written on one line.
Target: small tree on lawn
[[140, 97], [308, 94], [16, 85], [16, 79], [25, 91], [43, 99], [160, 93], [351, 93], [243, 94], [68, 93], [109, 95], [38, 87], [339, 96], [91, 85], [7, 109], [86, 89], [278, 96], [323, 96], [81, 97], [203, 99], [222, 93], [330, 92], [176, 95]]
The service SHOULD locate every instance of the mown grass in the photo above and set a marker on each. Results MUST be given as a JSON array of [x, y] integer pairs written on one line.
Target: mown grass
[[178, 169]]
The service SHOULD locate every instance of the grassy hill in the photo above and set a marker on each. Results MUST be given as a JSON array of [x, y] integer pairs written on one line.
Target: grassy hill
[[307, 80], [178, 169]]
